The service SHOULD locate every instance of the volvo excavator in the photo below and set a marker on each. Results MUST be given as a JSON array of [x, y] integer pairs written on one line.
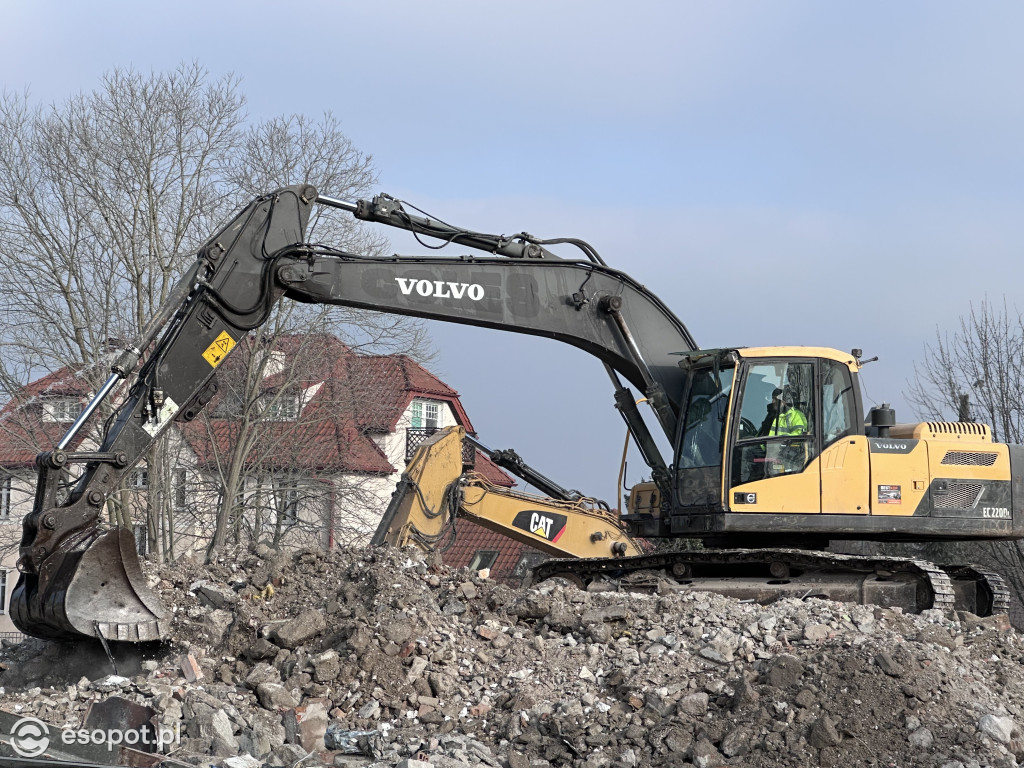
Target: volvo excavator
[[759, 498]]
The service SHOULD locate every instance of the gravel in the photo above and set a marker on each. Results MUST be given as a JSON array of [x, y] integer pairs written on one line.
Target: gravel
[[387, 658]]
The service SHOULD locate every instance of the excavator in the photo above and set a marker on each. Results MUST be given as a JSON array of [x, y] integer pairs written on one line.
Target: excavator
[[439, 486], [758, 498]]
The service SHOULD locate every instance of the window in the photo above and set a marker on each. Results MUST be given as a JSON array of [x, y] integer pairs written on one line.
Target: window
[[3, 590], [426, 414], [282, 406], [5, 498], [484, 558], [777, 421], [141, 539], [287, 497], [838, 408], [180, 492], [139, 479], [62, 409], [528, 561], [703, 438]]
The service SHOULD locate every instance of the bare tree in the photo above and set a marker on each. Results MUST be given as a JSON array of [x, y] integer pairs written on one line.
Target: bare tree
[[980, 366], [283, 450], [104, 199], [976, 373]]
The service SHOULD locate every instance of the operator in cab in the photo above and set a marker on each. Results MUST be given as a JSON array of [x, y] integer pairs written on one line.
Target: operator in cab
[[783, 417]]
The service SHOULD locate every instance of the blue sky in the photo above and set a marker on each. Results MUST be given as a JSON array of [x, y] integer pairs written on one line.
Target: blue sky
[[843, 174]]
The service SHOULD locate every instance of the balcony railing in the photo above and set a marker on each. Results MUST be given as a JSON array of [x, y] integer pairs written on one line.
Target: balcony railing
[[416, 436]]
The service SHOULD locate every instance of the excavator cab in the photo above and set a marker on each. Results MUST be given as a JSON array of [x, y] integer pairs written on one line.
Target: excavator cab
[[765, 430], [773, 450], [796, 422]]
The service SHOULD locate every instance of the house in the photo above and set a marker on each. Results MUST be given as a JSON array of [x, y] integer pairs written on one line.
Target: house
[[308, 450]]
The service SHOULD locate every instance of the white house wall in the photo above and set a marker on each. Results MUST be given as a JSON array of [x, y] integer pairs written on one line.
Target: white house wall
[[393, 443], [23, 487]]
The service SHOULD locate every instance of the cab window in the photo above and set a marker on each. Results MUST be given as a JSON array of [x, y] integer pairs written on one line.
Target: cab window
[[838, 406], [778, 416], [706, 409]]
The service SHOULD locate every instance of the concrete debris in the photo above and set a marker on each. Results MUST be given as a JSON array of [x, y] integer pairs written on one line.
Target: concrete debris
[[190, 668], [382, 658], [998, 728]]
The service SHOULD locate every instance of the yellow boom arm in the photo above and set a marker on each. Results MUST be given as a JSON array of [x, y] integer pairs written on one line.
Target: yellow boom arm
[[435, 489]]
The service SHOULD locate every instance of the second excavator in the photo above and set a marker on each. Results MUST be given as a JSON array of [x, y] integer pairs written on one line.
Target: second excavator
[[764, 489], [439, 486]]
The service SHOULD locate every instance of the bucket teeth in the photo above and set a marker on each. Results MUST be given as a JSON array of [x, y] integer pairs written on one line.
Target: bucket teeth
[[95, 589]]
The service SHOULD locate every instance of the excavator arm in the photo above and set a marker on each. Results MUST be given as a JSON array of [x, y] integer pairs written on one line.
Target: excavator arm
[[79, 577], [436, 490]]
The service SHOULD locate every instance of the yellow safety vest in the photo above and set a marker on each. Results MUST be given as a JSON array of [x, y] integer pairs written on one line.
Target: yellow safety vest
[[791, 422]]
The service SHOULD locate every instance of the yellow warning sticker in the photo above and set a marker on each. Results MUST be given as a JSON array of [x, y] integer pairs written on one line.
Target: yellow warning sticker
[[219, 349]]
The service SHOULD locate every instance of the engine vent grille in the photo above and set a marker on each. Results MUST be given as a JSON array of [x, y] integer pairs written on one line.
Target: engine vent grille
[[957, 428], [958, 496], [970, 458]]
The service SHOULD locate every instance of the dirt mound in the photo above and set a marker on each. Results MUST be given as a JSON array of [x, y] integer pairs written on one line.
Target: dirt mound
[[384, 657]]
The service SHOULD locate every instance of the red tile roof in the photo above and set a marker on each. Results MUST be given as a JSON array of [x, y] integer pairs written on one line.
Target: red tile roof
[[357, 397], [319, 446], [394, 380], [492, 472], [63, 382], [21, 439], [471, 538], [23, 432]]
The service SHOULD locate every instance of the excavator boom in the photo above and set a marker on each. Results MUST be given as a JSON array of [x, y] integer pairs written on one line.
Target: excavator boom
[[68, 589]]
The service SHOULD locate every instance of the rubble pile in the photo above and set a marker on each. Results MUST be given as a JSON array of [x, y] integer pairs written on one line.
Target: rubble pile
[[385, 658]]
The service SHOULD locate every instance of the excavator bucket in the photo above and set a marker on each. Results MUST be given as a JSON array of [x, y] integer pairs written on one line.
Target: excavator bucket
[[91, 587]]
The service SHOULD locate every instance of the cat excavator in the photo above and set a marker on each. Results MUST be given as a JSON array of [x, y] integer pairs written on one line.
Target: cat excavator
[[761, 494], [439, 487]]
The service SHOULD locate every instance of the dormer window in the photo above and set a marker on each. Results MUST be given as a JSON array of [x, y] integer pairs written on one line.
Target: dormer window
[[62, 409], [282, 406], [425, 414]]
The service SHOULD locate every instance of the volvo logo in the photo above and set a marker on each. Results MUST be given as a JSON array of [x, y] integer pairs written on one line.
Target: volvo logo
[[440, 289], [884, 445]]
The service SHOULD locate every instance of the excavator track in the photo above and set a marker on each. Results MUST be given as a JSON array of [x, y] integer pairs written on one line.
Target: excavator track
[[764, 575], [990, 593]]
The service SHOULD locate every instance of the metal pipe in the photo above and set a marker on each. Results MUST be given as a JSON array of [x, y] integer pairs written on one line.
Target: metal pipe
[[336, 203], [622, 465], [513, 462], [634, 349], [93, 404], [384, 209]]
